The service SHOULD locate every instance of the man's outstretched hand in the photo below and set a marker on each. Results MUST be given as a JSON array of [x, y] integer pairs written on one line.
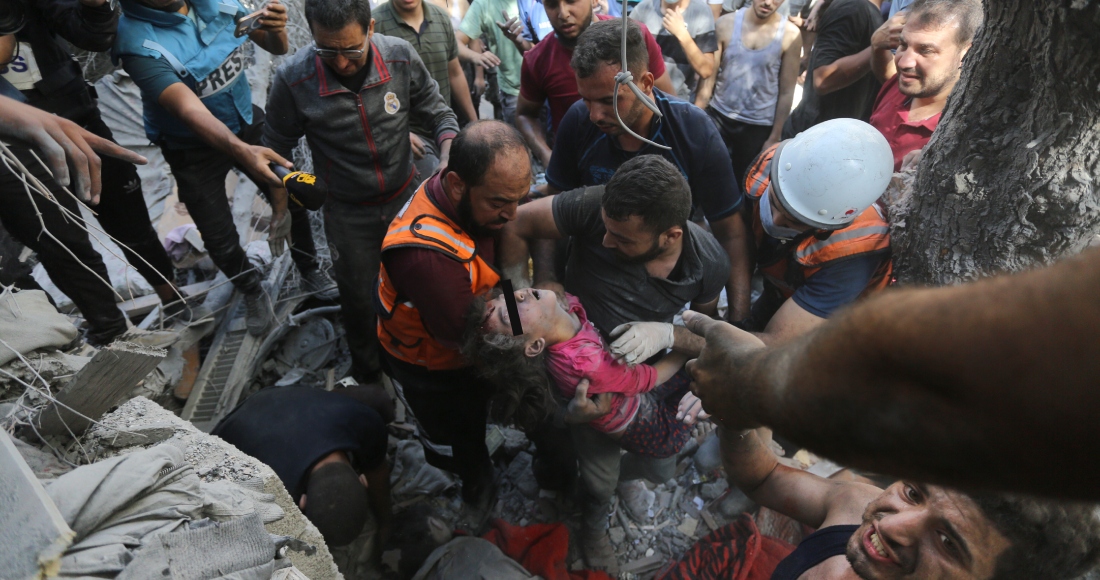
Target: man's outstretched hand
[[61, 143], [719, 376], [582, 409]]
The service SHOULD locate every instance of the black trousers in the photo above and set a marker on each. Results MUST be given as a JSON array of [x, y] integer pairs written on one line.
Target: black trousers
[[123, 214], [451, 408], [62, 246], [200, 176], [743, 141]]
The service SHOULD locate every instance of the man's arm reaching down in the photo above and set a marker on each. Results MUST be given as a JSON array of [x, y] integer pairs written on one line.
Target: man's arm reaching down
[[1006, 366], [182, 103], [61, 143], [527, 121], [534, 221]]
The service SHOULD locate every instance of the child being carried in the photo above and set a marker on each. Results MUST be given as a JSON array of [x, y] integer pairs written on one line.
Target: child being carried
[[558, 339]]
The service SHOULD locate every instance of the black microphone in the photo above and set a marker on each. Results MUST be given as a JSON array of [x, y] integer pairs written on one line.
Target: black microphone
[[303, 188]]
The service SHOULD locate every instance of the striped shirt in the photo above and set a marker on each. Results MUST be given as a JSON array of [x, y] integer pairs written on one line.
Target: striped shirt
[[434, 42]]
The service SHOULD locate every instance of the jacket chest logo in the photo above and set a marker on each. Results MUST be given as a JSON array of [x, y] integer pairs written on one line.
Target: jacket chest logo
[[392, 104], [222, 77]]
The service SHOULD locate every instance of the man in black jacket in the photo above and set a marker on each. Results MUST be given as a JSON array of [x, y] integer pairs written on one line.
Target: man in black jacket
[[38, 63]]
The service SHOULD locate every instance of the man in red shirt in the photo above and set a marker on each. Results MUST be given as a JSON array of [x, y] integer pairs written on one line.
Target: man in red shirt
[[547, 77], [931, 39]]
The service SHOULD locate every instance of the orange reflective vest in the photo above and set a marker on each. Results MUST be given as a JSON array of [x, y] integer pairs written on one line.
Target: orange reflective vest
[[800, 258], [422, 224]]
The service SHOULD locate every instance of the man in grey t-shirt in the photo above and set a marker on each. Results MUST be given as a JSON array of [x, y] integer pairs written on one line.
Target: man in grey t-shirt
[[684, 30], [635, 259]]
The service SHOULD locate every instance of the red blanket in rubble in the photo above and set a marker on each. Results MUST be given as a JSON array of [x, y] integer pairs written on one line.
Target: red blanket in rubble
[[737, 551], [541, 549]]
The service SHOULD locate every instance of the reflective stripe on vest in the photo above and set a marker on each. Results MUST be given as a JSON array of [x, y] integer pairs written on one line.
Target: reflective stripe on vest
[[401, 331], [759, 175]]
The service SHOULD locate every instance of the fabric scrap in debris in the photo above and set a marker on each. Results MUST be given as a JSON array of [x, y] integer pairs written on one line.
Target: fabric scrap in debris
[[469, 558], [737, 551], [28, 321], [541, 549]]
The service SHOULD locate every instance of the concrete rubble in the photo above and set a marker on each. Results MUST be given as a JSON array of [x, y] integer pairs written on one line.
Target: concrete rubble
[[307, 349]]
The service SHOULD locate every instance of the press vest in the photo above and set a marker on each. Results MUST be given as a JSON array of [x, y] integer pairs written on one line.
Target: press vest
[[211, 62], [422, 224], [798, 259]]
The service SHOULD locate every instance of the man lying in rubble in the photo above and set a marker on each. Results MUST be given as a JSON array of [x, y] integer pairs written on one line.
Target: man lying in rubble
[[327, 447], [634, 256], [910, 529]]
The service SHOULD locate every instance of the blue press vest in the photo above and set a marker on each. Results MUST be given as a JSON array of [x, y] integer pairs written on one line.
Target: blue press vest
[[204, 60]]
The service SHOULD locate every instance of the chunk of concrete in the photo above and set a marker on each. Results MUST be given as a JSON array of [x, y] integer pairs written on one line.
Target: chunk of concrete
[[33, 535], [104, 382]]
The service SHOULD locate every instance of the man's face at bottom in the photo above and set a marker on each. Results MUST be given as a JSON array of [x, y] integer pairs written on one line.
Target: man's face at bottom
[[924, 531]]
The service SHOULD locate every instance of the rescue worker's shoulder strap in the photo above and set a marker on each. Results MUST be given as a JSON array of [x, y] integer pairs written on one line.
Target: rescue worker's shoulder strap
[[432, 232]]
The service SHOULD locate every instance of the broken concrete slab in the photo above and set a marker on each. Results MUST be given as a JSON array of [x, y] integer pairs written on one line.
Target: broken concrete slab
[[688, 526], [104, 382], [33, 535]]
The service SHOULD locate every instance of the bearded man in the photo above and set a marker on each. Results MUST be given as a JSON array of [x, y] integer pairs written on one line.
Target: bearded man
[[436, 257]]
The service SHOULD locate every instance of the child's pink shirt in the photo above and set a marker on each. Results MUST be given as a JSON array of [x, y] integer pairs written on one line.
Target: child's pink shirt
[[583, 356]]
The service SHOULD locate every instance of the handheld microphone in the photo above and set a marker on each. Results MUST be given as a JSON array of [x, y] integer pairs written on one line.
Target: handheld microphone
[[303, 188]]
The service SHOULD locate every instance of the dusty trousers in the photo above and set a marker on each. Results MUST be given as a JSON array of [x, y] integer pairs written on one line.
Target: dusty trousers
[[603, 466], [62, 246], [451, 408], [200, 175], [355, 233]]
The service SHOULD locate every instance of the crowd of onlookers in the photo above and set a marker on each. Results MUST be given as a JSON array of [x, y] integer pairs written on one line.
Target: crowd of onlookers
[[687, 151]]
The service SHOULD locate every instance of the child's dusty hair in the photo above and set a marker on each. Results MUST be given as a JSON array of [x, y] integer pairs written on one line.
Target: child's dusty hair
[[522, 394]]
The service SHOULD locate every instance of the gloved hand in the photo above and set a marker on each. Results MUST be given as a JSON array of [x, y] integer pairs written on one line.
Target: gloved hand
[[278, 234], [637, 341]]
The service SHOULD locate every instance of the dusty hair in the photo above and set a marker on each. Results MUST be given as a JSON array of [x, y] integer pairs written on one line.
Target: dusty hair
[[651, 187], [967, 14], [1049, 539], [522, 391]]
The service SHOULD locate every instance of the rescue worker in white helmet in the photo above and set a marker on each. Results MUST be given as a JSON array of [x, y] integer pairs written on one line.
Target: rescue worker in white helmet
[[821, 238]]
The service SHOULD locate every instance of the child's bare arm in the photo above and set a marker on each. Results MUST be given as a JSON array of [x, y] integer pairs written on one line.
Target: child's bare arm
[[669, 365]]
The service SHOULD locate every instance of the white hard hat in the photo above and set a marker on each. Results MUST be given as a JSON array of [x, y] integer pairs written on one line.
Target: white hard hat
[[830, 173]]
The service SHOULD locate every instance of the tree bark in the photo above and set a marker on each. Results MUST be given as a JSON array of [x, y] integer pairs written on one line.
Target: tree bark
[[1011, 177]]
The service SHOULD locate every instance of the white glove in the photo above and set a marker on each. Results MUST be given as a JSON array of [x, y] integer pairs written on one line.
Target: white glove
[[635, 342]]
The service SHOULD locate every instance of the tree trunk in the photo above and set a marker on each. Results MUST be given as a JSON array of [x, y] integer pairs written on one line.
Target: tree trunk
[[1011, 177]]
